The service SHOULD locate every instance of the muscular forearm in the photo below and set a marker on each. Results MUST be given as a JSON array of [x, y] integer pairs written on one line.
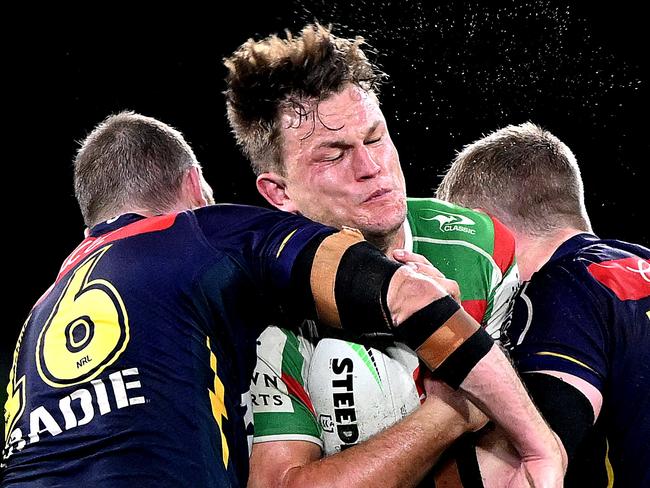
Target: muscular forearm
[[508, 404], [491, 382], [400, 456]]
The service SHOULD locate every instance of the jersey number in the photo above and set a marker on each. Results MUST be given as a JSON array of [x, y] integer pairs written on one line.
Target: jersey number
[[87, 330]]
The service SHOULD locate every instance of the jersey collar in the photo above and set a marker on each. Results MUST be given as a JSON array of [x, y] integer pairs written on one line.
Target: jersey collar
[[572, 244], [408, 236], [114, 223]]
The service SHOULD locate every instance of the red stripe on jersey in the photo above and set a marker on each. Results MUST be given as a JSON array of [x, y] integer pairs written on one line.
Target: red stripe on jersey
[[151, 224], [419, 383], [504, 245], [628, 278], [296, 389], [476, 308]]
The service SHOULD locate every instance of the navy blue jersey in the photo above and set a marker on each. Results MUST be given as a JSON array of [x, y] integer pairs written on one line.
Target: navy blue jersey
[[134, 368], [586, 312]]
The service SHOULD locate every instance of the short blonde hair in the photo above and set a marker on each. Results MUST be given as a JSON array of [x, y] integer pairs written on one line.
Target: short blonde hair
[[524, 176], [130, 160]]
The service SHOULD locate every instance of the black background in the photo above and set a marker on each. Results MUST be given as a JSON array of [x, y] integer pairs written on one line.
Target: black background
[[457, 70]]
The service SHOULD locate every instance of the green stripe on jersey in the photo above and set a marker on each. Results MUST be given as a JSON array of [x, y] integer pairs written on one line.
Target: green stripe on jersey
[[278, 413], [457, 241]]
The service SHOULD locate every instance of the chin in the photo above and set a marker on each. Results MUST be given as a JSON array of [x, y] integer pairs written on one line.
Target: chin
[[388, 222]]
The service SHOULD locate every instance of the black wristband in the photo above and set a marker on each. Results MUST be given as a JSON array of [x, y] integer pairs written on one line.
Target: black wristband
[[457, 366], [565, 408], [419, 326]]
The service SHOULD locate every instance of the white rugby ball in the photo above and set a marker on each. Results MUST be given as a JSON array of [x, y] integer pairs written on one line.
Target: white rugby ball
[[358, 390]]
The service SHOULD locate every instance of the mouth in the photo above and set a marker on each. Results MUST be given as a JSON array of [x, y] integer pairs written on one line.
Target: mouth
[[377, 195]]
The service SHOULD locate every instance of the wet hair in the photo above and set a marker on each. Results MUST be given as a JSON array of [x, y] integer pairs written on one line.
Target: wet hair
[[130, 161], [272, 75], [523, 175]]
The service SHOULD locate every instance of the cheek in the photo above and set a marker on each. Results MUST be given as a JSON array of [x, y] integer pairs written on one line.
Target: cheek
[[316, 194], [388, 154], [328, 182]]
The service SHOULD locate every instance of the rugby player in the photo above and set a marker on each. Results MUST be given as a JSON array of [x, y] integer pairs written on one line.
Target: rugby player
[[580, 333], [305, 112], [134, 367]]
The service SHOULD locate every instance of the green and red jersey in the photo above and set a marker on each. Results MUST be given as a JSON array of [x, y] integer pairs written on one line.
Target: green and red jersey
[[336, 392]]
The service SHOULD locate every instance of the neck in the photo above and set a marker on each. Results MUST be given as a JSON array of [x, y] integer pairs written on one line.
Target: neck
[[535, 251], [387, 243], [180, 206]]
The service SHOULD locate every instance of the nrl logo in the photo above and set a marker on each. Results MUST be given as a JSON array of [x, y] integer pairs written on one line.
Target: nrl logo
[[450, 222]]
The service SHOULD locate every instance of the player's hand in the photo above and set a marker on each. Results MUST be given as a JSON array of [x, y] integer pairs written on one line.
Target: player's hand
[[537, 474], [422, 265], [543, 471], [437, 391]]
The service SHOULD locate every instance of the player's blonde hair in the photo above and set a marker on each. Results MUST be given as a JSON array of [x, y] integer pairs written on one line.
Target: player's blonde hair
[[130, 160], [524, 176], [268, 76]]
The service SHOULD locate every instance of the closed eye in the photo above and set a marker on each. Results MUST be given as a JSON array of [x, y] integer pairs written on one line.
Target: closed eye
[[373, 141], [334, 157]]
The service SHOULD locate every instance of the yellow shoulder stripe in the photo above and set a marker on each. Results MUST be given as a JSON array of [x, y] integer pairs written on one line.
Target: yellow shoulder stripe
[[284, 242], [568, 358]]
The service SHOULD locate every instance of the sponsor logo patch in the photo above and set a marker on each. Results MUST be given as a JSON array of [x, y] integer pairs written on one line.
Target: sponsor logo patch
[[451, 222], [326, 423]]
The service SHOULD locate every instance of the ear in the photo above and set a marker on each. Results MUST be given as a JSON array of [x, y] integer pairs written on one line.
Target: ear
[[273, 188], [194, 187]]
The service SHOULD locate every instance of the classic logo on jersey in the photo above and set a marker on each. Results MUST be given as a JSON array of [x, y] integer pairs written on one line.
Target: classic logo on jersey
[[451, 222], [628, 278], [87, 330]]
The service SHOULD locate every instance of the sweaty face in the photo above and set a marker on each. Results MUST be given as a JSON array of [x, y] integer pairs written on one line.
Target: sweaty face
[[342, 167]]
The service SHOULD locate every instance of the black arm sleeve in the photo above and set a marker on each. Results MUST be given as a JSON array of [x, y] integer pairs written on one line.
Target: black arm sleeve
[[565, 408]]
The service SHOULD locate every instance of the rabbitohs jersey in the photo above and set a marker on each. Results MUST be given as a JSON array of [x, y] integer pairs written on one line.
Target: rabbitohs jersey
[[335, 392]]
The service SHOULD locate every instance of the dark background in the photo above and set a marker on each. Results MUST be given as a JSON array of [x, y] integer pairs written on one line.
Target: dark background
[[458, 70]]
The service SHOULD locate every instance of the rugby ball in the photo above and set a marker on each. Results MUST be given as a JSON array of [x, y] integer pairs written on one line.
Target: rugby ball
[[359, 390]]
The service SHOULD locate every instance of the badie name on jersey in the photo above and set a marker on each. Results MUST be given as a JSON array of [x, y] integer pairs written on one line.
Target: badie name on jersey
[[78, 408]]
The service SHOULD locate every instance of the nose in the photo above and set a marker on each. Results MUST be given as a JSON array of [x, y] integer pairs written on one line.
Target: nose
[[364, 165]]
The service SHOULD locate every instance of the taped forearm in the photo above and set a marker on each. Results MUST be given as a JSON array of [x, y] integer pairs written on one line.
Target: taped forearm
[[350, 282], [446, 338]]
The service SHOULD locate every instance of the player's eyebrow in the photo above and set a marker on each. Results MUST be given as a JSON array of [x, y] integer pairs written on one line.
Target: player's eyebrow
[[343, 144]]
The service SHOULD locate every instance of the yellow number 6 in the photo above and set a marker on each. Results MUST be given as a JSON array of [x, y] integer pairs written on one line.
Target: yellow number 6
[[87, 330]]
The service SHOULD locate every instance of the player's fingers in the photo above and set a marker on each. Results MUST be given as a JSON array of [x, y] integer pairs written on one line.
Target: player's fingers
[[451, 286], [417, 261]]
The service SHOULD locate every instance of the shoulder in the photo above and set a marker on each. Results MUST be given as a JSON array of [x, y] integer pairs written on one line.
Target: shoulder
[[230, 217], [607, 268], [440, 223], [256, 235]]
